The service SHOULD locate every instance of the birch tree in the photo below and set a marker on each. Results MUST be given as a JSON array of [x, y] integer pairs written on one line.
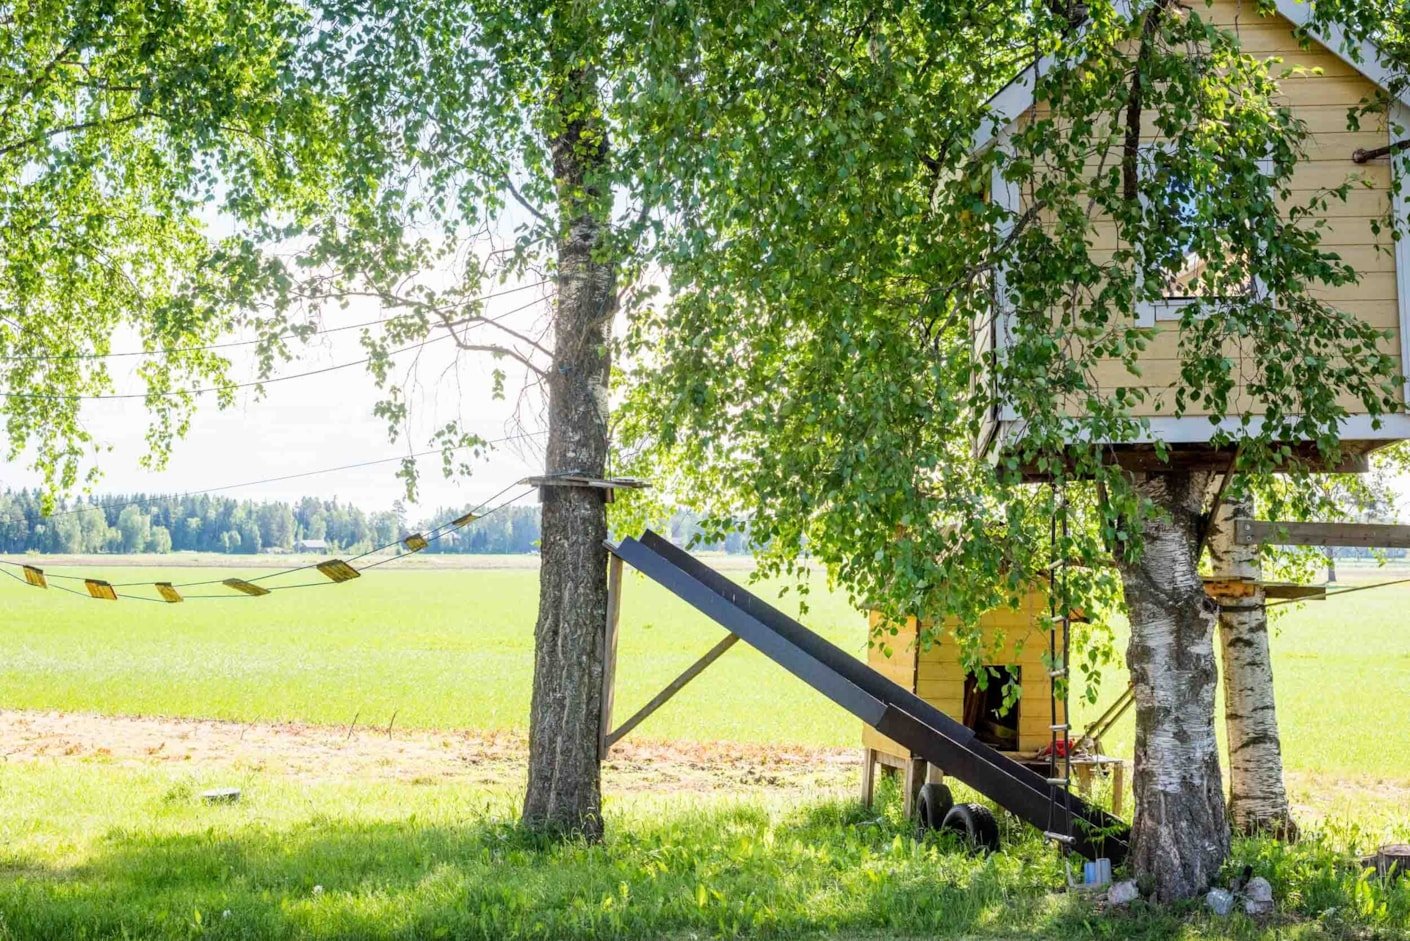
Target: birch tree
[[415, 155], [814, 372], [1258, 800], [123, 126]]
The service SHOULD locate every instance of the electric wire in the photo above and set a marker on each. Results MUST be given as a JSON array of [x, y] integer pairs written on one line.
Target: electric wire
[[144, 501], [1332, 594], [206, 390], [236, 386], [238, 343]]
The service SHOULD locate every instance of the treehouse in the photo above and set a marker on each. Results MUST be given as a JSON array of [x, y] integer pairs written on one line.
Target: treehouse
[[1320, 81]]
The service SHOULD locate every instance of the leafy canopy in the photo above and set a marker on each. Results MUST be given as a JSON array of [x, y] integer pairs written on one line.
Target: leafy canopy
[[823, 365]]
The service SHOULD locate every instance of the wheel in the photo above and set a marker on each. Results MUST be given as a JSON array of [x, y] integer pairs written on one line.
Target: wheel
[[932, 805], [976, 824]]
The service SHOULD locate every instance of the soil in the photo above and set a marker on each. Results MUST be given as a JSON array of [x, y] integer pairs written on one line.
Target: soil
[[418, 756], [497, 759]]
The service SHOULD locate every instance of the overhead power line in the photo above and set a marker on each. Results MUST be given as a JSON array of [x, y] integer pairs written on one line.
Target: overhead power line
[[232, 344], [274, 480], [235, 386]]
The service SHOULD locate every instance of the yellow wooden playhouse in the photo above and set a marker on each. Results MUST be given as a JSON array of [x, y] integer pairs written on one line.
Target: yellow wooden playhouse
[[1017, 644]]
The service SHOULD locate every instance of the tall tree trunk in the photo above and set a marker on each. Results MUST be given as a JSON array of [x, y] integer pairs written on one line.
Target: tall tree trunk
[[564, 793], [1258, 802], [1180, 837]]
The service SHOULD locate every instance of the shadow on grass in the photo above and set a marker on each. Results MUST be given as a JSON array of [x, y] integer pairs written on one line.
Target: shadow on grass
[[827, 870]]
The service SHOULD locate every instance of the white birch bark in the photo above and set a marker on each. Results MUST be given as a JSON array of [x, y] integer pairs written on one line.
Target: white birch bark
[[1258, 800], [1180, 836]]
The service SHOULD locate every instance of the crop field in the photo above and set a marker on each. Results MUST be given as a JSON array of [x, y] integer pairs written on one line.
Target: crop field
[[453, 649], [383, 806]]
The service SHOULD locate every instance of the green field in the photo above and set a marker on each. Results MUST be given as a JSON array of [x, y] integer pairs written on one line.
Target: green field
[[440, 649], [96, 846], [453, 649]]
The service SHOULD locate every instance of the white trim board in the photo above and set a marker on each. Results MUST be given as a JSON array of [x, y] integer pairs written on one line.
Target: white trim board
[[1010, 102], [1197, 429], [1400, 205]]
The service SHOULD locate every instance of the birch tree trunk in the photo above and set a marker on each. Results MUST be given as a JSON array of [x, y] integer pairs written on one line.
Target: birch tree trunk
[[564, 791], [1258, 801], [1180, 837]]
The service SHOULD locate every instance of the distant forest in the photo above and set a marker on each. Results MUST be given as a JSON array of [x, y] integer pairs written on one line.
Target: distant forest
[[124, 523]]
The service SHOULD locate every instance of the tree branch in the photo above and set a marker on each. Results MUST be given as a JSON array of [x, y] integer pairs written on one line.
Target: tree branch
[[1131, 146], [78, 126]]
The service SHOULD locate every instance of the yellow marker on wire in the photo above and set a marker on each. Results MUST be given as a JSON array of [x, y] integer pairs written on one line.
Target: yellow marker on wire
[[100, 589], [249, 588], [338, 570]]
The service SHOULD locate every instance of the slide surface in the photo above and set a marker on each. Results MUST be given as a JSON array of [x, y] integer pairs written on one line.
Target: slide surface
[[888, 707]]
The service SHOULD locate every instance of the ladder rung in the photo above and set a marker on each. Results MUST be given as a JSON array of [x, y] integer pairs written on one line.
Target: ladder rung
[[1059, 837], [1060, 671], [1059, 782], [1060, 727]]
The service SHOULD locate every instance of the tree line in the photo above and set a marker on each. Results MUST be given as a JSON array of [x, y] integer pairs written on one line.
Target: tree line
[[162, 523]]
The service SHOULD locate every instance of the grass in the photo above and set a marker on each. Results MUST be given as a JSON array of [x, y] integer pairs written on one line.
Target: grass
[[438, 649], [95, 848], [454, 650], [100, 851]]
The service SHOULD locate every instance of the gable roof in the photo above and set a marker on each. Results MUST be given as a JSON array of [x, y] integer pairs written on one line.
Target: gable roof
[[1010, 102]]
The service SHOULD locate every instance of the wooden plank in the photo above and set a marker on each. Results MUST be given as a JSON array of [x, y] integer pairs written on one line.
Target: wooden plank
[[1293, 591], [949, 687], [1229, 587], [609, 658], [883, 746], [1370, 535], [675, 686]]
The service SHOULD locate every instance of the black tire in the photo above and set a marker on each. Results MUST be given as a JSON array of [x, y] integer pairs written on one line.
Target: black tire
[[975, 824], [932, 805]]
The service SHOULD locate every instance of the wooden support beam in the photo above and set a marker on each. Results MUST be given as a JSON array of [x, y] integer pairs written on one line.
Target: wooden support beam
[[1369, 535], [1217, 587], [608, 485], [1295, 592], [1224, 589], [609, 649], [1208, 520], [675, 686]]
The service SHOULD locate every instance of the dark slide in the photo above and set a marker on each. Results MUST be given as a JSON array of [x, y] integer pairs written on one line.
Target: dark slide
[[892, 710]]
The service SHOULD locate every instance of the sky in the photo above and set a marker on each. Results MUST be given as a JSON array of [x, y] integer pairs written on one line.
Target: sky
[[327, 420]]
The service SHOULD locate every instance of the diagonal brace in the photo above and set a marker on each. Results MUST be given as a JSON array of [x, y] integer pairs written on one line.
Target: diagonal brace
[[675, 686]]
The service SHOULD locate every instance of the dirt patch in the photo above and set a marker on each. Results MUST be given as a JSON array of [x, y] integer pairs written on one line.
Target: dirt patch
[[497, 759], [487, 758], [1368, 801]]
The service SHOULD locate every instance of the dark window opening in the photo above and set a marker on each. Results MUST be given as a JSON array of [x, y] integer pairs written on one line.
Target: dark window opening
[[984, 708]]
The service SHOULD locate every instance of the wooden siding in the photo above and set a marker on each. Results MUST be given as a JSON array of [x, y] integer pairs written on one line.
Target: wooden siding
[[1320, 89], [1013, 638]]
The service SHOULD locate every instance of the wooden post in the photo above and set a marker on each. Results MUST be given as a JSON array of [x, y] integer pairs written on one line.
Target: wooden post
[[609, 650], [1118, 787], [868, 776], [915, 777]]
